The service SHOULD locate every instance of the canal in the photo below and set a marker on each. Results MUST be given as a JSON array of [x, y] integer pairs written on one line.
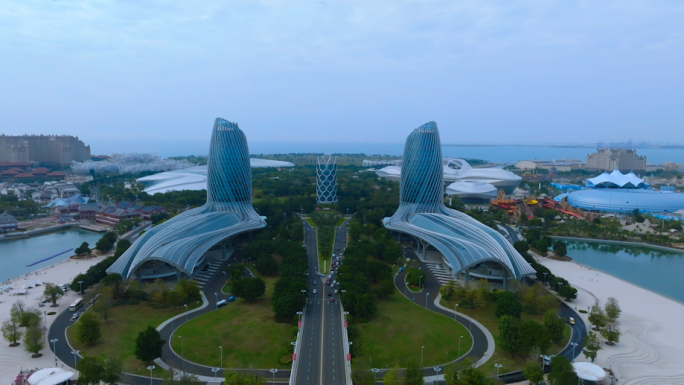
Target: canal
[[16, 254], [654, 269]]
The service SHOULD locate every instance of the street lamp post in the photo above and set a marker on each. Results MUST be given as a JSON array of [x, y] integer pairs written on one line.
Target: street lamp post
[[345, 315], [225, 276], [182, 347], [375, 373], [187, 315], [421, 356], [215, 370], [274, 371], [303, 293], [559, 286], [426, 297], [216, 296], [79, 287], [419, 279], [455, 311], [54, 346], [75, 353], [221, 349], [545, 279], [151, 368], [459, 345], [299, 313], [498, 366], [574, 344], [437, 370]]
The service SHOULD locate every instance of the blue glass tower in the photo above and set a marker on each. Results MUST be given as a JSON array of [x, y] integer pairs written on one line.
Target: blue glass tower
[[178, 246], [463, 242]]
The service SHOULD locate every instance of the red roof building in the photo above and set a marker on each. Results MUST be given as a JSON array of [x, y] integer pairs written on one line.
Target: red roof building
[[24, 175]]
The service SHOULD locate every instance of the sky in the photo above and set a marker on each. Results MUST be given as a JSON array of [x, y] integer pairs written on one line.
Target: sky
[[127, 73]]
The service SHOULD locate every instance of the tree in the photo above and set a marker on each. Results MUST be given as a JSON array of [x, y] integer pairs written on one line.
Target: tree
[[239, 378], [106, 242], [362, 374], [533, 372], [611, 333], [542, 246], [568, 292], [112, 370], [267, 265], [11, 332], [554, 325], [597, 317], [254, 288], [148, 345], [413, 374], [89, 328], [612, 309], [52, 292], [562, 372], [509, 334], [34, 341], [17, 312], [90, 371], [534, 334], [83, 249], [522, 247], [392, 377], [121, 247], [591, 346], [104, 302], [384, 289], [507, 303], [560, 248]]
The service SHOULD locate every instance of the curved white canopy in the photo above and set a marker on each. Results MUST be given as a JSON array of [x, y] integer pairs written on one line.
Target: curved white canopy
[[616, 179], [50, 376], [588, 371]]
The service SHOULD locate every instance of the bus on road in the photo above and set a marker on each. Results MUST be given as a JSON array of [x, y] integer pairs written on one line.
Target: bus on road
[[76, 305]]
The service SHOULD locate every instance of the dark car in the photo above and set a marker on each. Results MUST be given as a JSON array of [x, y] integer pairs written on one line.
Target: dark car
[[329, 294]]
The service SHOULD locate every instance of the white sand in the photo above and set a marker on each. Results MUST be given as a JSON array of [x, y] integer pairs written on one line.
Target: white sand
[[651, 348], [12, 360]]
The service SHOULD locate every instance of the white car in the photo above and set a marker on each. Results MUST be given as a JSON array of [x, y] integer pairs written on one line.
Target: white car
[[314, 291]]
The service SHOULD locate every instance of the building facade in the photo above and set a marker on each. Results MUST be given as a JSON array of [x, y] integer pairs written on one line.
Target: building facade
[[51, 150], [326, 179], [180, 246], [621, 159], [465, 245]]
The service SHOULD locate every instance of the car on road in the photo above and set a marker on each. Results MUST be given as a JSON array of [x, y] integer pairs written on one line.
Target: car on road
[[335, 291], [332, 300], [329, 294], [221, 303], [314, 291], [74, 317], [571, 320], [231, 298]]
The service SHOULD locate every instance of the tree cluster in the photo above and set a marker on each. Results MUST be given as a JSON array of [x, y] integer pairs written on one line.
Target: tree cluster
[[561, 285], [93, 371]]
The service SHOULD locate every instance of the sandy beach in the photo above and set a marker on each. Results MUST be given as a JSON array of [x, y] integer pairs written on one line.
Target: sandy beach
[[651, 348], [12, 360]]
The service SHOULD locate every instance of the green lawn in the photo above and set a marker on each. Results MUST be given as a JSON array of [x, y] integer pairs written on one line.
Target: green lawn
[[311, 222], [120, 331], [247, 332], [341, 221], [399, 330], [485, 315]]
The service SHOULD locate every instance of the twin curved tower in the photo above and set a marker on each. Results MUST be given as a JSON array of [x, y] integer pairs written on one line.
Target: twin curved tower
[[178, 246], [464, 242]]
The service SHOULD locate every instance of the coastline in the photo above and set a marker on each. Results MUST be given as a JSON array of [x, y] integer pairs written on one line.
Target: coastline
[[650, 347], [667, 248], [46, 230]]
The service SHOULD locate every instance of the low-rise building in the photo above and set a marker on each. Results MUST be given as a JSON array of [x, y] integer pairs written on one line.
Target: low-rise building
[[8, 223], [530, 164]]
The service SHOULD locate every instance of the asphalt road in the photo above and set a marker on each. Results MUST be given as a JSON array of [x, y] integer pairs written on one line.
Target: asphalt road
[[427, 297], [58, 330], [321, 359]]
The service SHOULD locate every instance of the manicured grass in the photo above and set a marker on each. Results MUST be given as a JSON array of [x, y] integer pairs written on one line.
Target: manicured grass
[[311, 222], [341, 221], [247, 332], [399, 330], [119, 334], [485, 315]]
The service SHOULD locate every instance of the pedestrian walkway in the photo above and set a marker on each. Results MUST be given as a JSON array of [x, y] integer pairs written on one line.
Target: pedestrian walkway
[[207, 273], [442, 275]]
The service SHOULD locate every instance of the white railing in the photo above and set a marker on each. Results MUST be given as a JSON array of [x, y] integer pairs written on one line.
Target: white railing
[[345, 343], [297, 349]]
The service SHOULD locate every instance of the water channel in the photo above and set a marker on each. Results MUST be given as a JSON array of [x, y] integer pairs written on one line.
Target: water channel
[[16, 254], [654, 269]]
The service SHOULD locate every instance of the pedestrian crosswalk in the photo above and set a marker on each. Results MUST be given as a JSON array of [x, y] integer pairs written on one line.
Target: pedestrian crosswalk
[[207, 273], [441, 274]]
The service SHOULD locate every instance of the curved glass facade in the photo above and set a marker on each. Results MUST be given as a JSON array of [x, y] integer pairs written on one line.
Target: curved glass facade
[[463, 241], [180, 243], [326, 179]]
